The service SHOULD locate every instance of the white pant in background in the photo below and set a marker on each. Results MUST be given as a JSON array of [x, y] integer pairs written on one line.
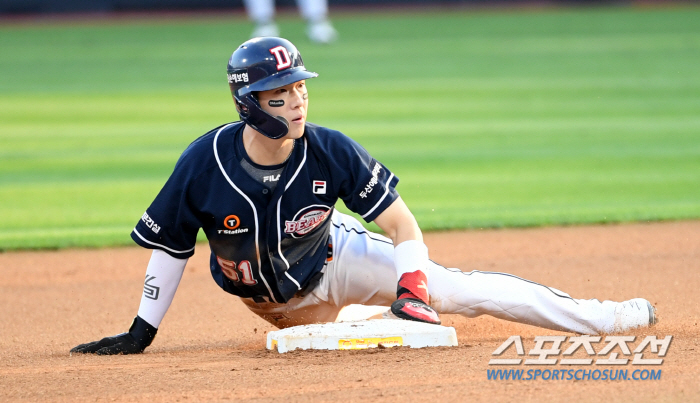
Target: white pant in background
[[263, 11], [362, 272]]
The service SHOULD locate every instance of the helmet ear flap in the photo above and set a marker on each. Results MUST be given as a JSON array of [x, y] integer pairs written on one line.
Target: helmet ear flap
[[241, 108], [253, 115]]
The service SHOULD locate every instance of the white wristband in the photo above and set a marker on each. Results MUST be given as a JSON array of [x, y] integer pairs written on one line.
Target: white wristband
[[410, 256], [162, 278]]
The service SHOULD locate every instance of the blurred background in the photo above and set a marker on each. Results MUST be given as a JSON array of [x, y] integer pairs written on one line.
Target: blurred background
[[73, 6], [493, 114]]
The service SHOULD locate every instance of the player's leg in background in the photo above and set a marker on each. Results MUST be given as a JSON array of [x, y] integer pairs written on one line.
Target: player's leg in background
[[364, 273], [319, 28], [511, 298], [262, 13]]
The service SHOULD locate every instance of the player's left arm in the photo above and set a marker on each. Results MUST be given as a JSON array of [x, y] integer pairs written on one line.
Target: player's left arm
[[411, 261], [398, 223]]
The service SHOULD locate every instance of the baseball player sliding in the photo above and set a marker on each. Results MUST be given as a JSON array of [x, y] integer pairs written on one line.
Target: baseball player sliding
[[264, 189]]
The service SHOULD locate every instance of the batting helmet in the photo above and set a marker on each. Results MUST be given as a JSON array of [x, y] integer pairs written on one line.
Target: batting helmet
[[262, 64]]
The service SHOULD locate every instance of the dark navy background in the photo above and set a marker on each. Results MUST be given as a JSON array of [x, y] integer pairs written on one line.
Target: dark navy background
[[77, 6]]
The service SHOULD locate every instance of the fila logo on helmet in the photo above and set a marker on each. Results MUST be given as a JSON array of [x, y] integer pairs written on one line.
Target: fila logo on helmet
[[282, 57]]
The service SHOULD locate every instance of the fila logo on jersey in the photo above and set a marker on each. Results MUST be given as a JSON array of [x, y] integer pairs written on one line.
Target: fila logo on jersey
[[232, 222], [319, 187], [271, 178], [306, 220], [282, 57]]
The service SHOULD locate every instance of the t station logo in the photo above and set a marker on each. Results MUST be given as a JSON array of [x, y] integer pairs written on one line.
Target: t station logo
[[232, 224]]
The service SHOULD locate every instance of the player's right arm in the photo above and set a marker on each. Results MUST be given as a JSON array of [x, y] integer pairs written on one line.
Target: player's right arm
[[411, 261], [368, 188], [169, 227], [163, 276]]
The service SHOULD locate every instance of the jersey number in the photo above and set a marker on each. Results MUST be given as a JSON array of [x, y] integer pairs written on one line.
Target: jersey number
[[230, 270]]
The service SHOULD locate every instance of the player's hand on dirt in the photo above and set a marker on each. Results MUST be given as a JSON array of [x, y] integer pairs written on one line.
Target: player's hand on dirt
[[139, 336], [120, 344], [413, 300]]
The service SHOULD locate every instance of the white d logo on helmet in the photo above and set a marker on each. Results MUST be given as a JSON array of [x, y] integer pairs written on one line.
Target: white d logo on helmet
[[282, 56]]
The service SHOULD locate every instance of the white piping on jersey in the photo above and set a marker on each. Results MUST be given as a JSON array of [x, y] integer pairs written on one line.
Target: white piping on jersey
[[298, 169], [161, 246], [279, 223], [286, 273], [255, 211], [386, 192]]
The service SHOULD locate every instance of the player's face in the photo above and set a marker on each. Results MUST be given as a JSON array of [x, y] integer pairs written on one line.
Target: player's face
[[291, 102]]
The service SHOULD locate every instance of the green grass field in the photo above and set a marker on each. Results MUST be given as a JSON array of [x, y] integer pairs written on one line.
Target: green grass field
[[490, 118]]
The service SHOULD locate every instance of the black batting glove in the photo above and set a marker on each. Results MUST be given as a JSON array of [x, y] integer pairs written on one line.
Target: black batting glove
[[140, 336]]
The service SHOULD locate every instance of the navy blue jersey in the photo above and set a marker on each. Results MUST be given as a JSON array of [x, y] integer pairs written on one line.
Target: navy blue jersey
[[263, 243]]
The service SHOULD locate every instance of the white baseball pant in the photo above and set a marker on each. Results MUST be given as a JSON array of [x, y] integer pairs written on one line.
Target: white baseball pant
[[362, 272], [263, 11]]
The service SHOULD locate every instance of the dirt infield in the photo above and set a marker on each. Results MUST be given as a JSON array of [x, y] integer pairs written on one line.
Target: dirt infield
[[211, 348]]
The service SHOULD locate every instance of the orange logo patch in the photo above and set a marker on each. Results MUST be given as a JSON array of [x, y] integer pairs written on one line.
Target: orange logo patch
[[232, 222]]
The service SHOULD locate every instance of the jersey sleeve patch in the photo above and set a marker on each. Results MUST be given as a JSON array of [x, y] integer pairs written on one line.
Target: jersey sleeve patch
[[381, 189], [150, 233]]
